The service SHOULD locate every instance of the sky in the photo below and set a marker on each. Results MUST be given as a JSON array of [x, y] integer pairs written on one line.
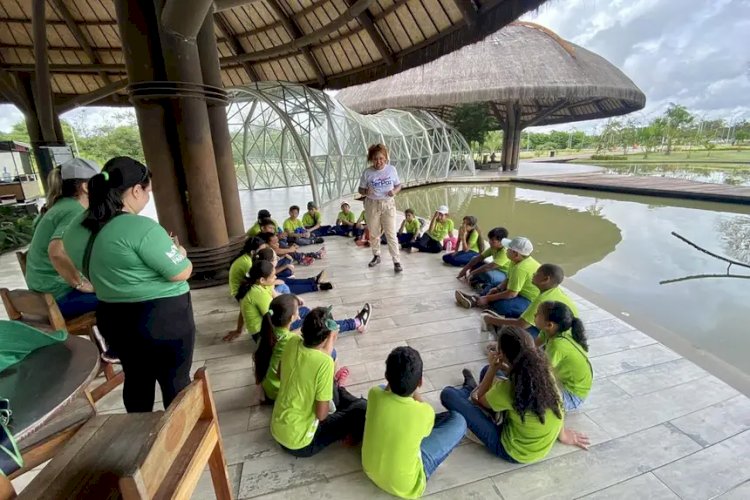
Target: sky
[[691, 52]]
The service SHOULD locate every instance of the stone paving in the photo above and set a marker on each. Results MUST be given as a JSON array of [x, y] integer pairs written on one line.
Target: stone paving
[[661, 427]]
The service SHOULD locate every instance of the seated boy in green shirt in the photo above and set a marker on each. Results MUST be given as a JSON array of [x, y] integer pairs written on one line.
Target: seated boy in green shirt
[[404, 441]]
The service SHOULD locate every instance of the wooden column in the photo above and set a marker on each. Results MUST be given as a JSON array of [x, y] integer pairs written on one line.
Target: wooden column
[[140, 39], [190, 113], [512, 138], [222, 139], [43, 86]]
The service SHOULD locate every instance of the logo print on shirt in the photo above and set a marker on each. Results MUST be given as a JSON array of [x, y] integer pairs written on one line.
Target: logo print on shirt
[[174, 255]]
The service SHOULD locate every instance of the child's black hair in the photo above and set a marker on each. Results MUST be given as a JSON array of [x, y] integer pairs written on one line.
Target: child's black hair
[[267, 222], [472, 221], [314, 329], [534, 387], [410, 211], [497, 233], [266, 237], [262, 269], [279, 315], [266, 254], [554, 272], [250, 247], [263, 214], [561, 315], [403, 370], [294, 207]]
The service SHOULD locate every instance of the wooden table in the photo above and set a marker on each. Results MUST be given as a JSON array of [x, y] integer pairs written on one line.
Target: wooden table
[[47, 396]]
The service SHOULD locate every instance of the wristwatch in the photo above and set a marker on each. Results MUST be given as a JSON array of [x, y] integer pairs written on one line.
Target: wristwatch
[[79, 285]]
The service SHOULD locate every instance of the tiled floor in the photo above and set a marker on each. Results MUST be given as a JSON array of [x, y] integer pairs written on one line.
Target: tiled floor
[[660, 426]]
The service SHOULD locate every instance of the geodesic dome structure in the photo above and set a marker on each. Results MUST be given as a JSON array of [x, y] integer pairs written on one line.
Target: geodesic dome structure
[[285, 134]]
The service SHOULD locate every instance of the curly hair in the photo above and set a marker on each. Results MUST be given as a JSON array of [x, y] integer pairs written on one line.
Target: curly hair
[[534, 387], [375, 149]]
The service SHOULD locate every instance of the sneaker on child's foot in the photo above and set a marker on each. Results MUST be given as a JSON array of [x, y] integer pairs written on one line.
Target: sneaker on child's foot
[[469, 380], [325, 286], [322, 252], [465, 300], [364, 317], [341, 375], [307, 260], [397, 267], [375, 261], [321, 277]]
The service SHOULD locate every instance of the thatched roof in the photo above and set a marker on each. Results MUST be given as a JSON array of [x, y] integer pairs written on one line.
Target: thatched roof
[[322, 43], [554, 81]]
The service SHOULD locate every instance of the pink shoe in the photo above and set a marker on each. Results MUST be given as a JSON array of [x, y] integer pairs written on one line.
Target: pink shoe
[[341, 375], [307, 260]]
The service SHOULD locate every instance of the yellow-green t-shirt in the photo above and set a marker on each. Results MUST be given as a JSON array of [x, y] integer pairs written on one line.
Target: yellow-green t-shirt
[[271, 381], [254, 305], [391, 453], [570, 364], [346, 217], [41, 275], [290, 225], [499, 257], [311, 220], [132, 260], [519, 278], [412, 226], [361, 217], [529, 440], [473, 241], [255, 229], [555, 294], [441, 230], [237, 272], [306, 377]]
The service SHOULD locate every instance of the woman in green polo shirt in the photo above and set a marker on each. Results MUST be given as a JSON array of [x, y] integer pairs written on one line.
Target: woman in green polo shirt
[[140, 277], [528, 398], [48, 268]]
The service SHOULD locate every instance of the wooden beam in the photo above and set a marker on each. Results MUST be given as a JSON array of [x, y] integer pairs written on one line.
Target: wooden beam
[[367, 20], [291, 26], [547, 112], [23, 20], [77, 32], [91, 97], [297, 44], [469, 10], [66, 68], [220, 5], [235, 44], [42, 84], [9, 90]]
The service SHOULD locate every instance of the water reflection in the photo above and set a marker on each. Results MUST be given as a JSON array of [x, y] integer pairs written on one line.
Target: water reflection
[[709, 172], [621, 247]]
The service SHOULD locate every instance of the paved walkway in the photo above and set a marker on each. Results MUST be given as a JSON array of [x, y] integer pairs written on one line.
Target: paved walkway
[[661, 427]]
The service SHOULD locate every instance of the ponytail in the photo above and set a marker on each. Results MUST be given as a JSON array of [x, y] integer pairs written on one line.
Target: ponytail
[[561, 315], [579, 334], [279, 314], [107, 188], [251, 246], [261, 269], [480, 239], [54, 188]]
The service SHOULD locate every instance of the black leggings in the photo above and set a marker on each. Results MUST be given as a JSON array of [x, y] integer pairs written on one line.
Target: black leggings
[[425, 244], [347, 421], [154, 341]]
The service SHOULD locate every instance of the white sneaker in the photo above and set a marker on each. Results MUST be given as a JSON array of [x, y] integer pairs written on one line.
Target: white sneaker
[[464, 300]]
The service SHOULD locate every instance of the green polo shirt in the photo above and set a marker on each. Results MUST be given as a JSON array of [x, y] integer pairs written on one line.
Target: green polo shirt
[[290, 225], [555, 294], [412, 226], [499, 257], [237, 272], [570, 364], [441, 229], [311, 220], [271, 381], [519, 278], [254, 305], [346, 217]]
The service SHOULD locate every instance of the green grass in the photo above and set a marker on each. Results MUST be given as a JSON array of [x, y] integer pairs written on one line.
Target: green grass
[[697, 155]]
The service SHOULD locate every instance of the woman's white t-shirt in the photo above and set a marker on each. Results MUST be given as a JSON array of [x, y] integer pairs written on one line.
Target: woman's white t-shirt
[[381, 181]]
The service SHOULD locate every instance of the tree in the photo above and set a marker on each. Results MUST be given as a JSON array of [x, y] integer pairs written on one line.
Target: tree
[[678, 118], [474, 122]]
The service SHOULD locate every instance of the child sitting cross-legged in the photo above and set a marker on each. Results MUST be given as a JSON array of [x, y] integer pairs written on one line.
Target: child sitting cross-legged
[[532, 414], [484, 276], [470, 243], [305, 259], [295, 232], [297, 286], [312, 221], [408, 232], [263, 216], [564, 340], [346, 222], [441, 227], [547, 279], [404, 441], [313, 411]]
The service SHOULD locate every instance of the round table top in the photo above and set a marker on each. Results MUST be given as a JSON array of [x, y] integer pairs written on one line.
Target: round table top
[[45, 381]]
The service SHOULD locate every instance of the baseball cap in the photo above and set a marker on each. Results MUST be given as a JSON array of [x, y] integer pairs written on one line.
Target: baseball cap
[[344, 203], [443, 209], [79, 168], [519, 244]]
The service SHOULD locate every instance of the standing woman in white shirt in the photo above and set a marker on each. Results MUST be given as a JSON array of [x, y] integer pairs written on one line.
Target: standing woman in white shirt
[[380, 184]]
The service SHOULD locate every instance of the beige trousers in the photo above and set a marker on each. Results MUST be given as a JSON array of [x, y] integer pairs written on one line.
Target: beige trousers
[[381, 217]]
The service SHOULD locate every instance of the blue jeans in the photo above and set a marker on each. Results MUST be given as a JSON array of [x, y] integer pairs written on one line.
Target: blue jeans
[[298, 286], [404, 238], [321, 231], [510, 308], [341, 230], [459, 259], [449, 428], [345, 325], [283, 274], [75, 303], [478, 422], [282, 289], [489, 279], [570, 400]]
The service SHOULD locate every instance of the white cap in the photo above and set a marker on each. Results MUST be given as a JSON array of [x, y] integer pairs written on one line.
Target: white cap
[[442, 209], [78, 168], [519, 244]]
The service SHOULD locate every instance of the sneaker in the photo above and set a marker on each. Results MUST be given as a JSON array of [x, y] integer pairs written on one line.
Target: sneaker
[[469, 380], [325, 286], [375, 261], [341, 375], [307, 260], [322, 252], [473, 437], [318, 241], [397, 267], [465, 300], [321, 277], [364, 317]]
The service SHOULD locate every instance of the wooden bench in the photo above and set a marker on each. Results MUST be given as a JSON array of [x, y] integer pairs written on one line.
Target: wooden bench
[[41, 311], [141, 455]]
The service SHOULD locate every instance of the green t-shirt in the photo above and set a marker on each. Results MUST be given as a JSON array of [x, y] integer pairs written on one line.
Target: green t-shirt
[[255, 229], [41, 276], [529, 440], [473, 241], [499, 257], [311, 220], [290, 225], [132, 260], [552, 295], [570, 364], [306, 377], [254, 305], [271, 381], [412, 226], [519, 278], [441, 230], [237, 272], [391, 453], [361, 217], [346, 217]]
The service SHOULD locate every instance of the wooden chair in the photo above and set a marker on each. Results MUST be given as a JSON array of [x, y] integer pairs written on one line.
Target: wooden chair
[[21, 256], [40, 311], [141, 455]]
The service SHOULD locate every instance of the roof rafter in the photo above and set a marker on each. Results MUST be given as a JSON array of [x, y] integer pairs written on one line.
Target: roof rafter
[[368, 22], [547, 112], [234, 44]]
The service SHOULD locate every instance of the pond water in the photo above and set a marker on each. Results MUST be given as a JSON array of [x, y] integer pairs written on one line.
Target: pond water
[[709, 172], [620, 247]]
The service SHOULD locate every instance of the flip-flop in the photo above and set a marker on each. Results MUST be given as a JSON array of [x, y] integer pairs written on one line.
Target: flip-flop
[[341, 375]]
